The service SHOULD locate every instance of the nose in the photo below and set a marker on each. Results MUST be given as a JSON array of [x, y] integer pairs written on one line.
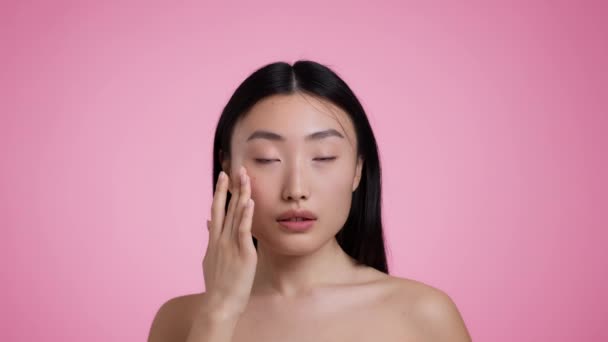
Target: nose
[[295, 188]]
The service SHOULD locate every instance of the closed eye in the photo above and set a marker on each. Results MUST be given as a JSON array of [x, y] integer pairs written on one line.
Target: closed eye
[[264, 161], [268, 161], [325, 158]]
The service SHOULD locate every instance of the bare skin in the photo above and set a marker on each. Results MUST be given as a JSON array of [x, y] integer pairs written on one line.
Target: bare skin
[[381, 308], [300, 286]]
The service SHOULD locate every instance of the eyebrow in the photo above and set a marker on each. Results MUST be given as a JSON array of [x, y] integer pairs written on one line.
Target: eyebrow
[[276, 137]]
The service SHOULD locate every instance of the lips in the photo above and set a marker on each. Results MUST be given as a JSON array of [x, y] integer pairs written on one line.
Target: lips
[[297, 215]]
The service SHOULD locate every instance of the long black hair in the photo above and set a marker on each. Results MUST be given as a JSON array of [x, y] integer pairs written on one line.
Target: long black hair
[[361, 237]]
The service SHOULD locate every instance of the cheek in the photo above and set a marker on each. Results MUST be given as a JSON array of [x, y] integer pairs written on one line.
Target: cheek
[[339, 180], [337, 192], [260, 189], [253, 183]]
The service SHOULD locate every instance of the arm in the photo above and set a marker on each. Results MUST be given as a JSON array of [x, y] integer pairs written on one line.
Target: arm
[[228, 269], [181, 319], [170, 323], [440, 318]]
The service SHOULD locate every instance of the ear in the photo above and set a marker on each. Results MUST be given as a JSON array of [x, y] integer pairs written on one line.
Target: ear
[[358, 170]]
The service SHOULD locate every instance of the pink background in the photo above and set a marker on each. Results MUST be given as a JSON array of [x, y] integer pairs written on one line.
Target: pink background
[[491, 122]]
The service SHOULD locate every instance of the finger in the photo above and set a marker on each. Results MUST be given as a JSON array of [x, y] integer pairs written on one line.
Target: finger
[[244, 231], [244, 196], [218, 207], [227, 226]]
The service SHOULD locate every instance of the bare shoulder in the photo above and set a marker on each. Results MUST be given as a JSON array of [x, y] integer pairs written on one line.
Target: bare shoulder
[[431, 309], [173, 319]]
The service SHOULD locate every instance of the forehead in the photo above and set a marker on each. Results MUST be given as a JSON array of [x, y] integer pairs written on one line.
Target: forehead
[[294, 117]]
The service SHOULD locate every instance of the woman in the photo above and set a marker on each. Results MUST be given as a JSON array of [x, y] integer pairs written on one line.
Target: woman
[[296, 250]]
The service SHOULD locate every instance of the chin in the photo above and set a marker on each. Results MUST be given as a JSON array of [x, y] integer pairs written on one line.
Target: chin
[[292, 244]]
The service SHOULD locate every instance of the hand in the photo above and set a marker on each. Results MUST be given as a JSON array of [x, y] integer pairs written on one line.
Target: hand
[[230, 261]]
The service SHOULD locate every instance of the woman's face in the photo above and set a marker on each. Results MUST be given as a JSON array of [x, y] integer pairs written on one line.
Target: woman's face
[[290, 170]]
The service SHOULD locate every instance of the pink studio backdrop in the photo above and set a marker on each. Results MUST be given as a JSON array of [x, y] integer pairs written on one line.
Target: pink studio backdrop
[[491, 122]]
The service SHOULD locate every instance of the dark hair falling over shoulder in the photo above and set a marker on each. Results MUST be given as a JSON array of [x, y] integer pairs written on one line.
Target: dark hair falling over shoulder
[[361, 237]]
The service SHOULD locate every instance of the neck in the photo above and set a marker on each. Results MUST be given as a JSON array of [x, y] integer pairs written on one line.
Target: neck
[[296, 275]]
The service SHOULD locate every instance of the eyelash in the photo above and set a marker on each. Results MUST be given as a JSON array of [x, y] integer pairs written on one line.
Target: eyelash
[[268, 161]]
